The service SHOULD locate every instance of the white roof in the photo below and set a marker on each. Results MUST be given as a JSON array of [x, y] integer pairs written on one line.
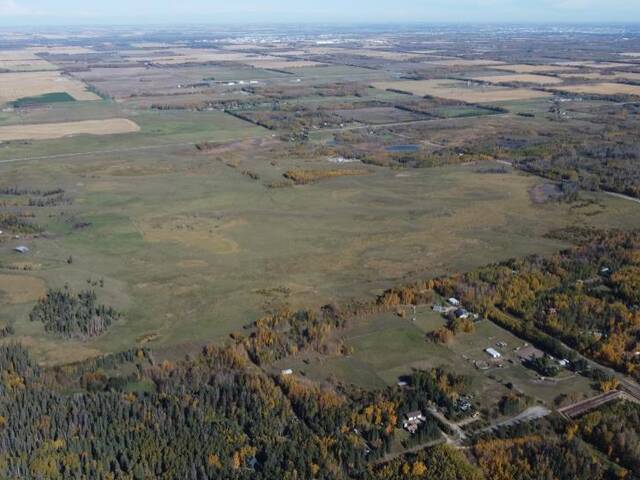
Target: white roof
[[494, 353]]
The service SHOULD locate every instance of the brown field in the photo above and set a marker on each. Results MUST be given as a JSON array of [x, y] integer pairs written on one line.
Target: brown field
[[14, 86], [366, 52], [61, 50], [279, 63], [605, 88], [524, 78], [458, 90], [604, 77], [21, 288], [22, 60], [524, 68], [461, 62], [43, 131], [590, 64]]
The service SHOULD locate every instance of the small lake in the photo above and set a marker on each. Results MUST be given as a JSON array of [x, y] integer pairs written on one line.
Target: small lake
[[402, 148]]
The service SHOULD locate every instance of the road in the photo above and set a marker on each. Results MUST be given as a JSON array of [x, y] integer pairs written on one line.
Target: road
[[530, 414], [623, 196]]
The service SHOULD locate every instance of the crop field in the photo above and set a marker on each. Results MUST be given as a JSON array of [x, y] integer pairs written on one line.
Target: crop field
[[520, 78], [43, 131], [604, 76], [524, 68], [604, 88], [14, 86], [459, 90]]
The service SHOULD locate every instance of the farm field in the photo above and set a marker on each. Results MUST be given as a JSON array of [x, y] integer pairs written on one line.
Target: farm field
[[520, 78], [14, 86], [525, 68], [459, 90], [604, 88], [44, 131]]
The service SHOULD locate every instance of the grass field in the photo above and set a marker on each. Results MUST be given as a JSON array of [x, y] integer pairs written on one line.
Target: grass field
[[187, 271], [459, 90]]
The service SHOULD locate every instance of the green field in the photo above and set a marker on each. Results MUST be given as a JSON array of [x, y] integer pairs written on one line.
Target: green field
[[184, 242]]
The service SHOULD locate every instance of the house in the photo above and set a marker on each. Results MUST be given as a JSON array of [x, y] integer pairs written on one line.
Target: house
[[413, 420], [493, 353], [463, 404], [461, 313], [21, 249], [286, 372], [454, 301], [564, 363]]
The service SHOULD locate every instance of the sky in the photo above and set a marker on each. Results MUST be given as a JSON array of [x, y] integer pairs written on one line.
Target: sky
[[62, 12]]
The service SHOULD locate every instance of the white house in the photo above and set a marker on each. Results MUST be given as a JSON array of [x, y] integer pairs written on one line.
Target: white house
[[286, 372], [454, 301]]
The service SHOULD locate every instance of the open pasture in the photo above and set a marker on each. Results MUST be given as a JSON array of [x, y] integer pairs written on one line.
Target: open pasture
[[192, 268], [458, 90]]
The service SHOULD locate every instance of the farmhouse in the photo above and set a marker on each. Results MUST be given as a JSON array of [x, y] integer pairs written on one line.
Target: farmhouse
[[413, 420], [493, 353]]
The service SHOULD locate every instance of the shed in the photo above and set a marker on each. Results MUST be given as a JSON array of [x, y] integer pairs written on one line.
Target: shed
[[286, 371], [493, 353], [454, 301], [21, 249]]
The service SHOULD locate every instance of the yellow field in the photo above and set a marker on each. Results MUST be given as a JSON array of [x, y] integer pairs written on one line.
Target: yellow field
[[523, 68], [458, 90], [525, 78], [21, 288], [14, 86], [43, 131], [605, 88], [604, 77], [23, 61]]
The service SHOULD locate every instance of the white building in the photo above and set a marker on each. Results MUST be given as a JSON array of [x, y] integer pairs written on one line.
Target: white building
[[454, 301], [493, 353]]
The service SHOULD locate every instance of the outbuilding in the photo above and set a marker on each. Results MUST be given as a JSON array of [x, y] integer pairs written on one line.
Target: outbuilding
[[493, 353], [21, 249]]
